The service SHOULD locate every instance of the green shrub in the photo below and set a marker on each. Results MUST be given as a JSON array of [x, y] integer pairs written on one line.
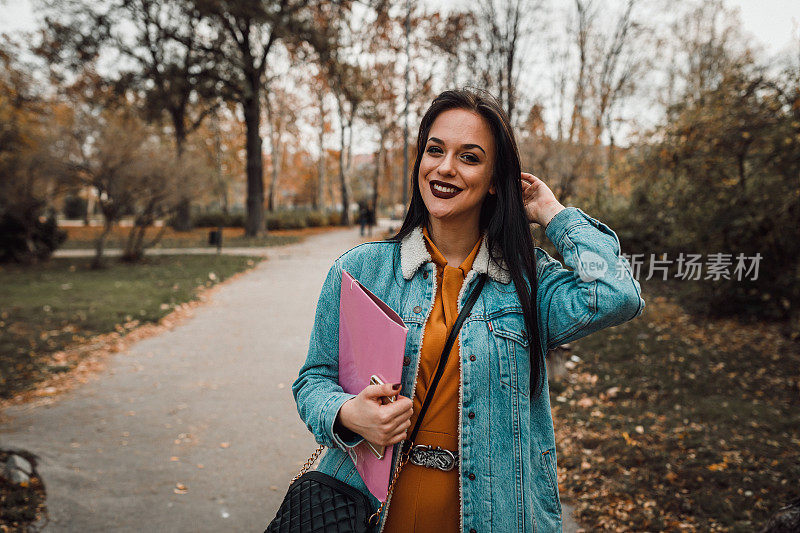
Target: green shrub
[[74, 207], [721, 178], [213, 219], [28, 240], [335, 218], [279, 220], [316, 219], [286, 220]]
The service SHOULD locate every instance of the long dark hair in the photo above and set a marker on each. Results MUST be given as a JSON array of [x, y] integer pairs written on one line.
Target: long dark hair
[[502, 214]]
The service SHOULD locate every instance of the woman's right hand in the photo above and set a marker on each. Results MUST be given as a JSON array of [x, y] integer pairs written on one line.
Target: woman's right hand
[[381, 424]]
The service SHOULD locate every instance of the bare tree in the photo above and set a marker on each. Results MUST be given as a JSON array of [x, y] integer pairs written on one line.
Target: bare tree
[[585, 19], [338, 46], [282, 114], [321, 90], [158, 180], [380, 112], [245, 33], [160, 40], [102, 153], [608, 67], [703, 42], [619, 68], [503, 21]]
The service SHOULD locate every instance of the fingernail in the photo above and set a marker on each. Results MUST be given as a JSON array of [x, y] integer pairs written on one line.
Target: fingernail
[[396, 386]]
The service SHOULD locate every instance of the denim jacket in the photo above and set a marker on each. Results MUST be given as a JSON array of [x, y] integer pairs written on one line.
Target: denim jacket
[[507, 454]]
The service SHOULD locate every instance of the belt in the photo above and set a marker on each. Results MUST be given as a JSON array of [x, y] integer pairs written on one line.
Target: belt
[[430, 457]]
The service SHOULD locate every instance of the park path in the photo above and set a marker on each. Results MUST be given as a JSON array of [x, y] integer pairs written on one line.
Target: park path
[[208, 250], [194, 429]]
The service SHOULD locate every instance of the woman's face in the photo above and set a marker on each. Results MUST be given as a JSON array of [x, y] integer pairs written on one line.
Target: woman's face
[[455, 171]]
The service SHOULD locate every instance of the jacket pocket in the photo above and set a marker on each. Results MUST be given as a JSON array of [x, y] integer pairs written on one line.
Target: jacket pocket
[[548, 463], [513, 355]]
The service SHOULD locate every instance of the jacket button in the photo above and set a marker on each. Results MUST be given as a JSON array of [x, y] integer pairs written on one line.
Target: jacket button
[[471, 416], [472, 477], [417, 309], [425, 275], [472, 357], [472, 530], [406, 360]]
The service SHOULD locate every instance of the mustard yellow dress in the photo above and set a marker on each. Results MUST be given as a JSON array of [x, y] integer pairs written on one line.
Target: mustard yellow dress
[[428, 499]]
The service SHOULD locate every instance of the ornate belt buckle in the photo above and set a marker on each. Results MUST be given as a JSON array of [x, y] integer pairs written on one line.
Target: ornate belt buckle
[[427, 456]]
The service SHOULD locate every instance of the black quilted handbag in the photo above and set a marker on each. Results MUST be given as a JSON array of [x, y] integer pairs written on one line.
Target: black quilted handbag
[[319, 503]]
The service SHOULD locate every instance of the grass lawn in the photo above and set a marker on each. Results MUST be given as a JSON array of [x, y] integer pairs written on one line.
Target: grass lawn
[[670, 422], [83, 237], [48, 307]]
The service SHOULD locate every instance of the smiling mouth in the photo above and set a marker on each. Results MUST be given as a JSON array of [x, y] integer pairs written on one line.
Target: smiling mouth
[[442, 190]]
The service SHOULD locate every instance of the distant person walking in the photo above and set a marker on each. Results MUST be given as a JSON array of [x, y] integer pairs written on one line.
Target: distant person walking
[[370, 220], [363, 217]]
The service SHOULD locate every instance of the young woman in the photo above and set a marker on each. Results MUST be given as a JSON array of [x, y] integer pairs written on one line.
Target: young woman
[[470, 213]]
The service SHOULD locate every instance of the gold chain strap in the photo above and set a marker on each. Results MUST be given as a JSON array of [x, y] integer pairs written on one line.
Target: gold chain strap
[[402, 460], [308, 463]]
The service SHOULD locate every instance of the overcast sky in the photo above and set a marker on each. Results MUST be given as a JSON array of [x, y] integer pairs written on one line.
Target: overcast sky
[[773, 22]]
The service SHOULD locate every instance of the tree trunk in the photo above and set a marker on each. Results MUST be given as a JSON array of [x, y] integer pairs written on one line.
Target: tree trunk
[[320, 200], [576, 125], [275, 157], [155, 240], [221, 184], [127, 252], [97, 262], [134, 249], [376, 176], [183, 210], [342, 175], [511, 36], [138, 245], [183, 215], [251, 105], [87, 211]]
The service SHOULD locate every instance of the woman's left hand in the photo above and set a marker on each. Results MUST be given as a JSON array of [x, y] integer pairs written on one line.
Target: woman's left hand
[[540, 203]]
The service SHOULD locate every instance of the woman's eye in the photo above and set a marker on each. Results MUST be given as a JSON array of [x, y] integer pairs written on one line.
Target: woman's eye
[[432, 148], [471, 158]]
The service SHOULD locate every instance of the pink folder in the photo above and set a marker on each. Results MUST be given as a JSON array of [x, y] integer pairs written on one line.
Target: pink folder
[[372, 340]]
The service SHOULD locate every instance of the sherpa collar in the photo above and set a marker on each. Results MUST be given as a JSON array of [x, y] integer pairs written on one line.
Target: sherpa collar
[[413, 253]]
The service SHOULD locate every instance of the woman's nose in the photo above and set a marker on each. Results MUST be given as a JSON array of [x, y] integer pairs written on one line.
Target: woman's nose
[[446, 166]]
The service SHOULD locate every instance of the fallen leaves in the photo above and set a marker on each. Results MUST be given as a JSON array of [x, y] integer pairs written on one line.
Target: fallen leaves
[[643, 447], [585, 402], [628, 440]]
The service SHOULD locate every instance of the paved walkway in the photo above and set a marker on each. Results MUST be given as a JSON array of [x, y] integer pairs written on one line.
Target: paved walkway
[[195, 429], [211, 250]]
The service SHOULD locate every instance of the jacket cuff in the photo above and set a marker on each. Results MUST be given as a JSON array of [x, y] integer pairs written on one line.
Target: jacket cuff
[[329, 413], [570, 217], [563, 221]]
